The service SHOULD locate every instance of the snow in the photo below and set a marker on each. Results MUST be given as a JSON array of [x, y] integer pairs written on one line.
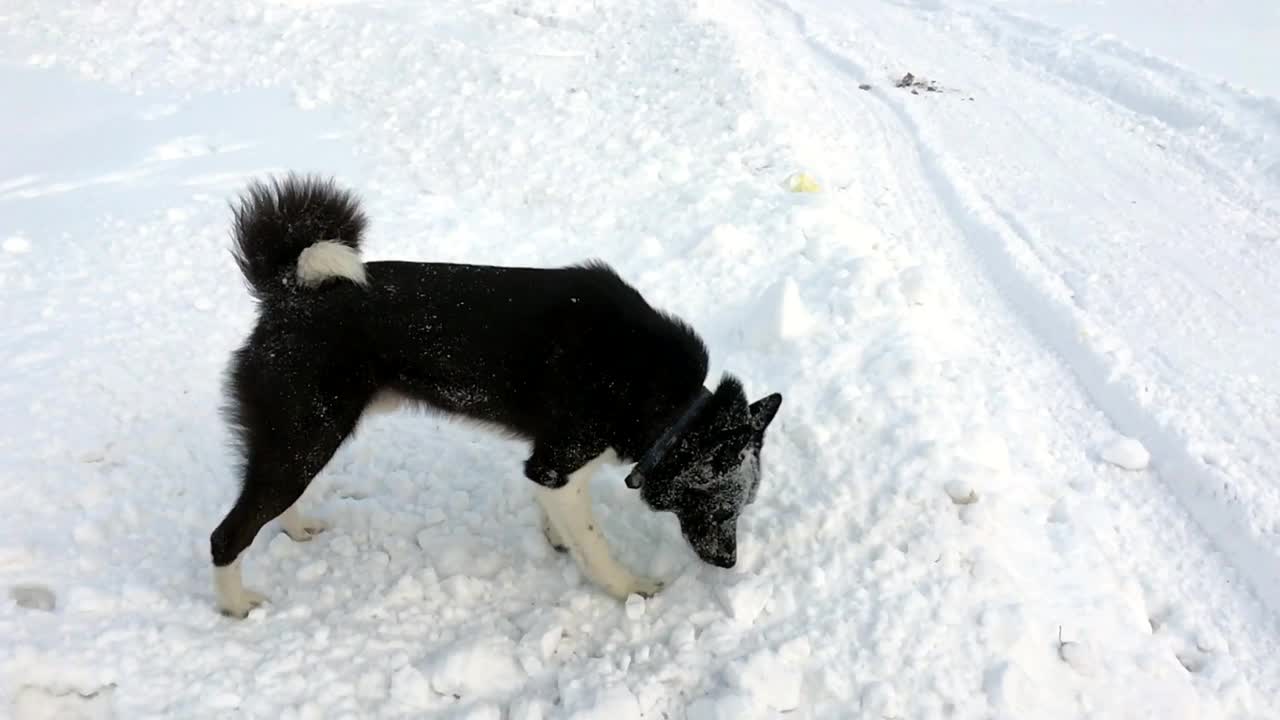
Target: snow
[[17, 245], [1127, 453], [1067, 252], [745, 599]]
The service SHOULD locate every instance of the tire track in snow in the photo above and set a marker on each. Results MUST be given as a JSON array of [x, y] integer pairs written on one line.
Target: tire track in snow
[[1154, 92], [1002, 255]]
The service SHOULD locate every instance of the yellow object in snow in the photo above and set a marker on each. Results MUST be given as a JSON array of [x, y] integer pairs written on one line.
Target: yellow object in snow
[[802, 182]]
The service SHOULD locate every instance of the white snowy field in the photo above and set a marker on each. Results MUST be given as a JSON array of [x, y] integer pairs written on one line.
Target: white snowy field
[[1026, 332]]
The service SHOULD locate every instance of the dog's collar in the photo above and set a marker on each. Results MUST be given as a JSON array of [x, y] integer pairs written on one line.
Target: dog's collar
[[663, 444]]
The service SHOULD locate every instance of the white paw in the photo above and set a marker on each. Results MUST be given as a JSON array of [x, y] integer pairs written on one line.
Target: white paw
[[302, 529], [239, 606], [553, 538], [642, 586]]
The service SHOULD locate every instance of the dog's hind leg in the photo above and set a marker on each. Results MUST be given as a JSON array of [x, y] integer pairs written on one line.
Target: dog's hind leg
[[299, 527], [277, 471], [570, 518]]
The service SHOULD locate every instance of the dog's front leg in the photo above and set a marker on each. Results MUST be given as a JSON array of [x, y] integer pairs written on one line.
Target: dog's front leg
[[568, 512]]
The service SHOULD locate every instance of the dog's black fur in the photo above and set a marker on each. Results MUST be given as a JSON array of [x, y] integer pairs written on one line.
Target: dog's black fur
[[571, 359]]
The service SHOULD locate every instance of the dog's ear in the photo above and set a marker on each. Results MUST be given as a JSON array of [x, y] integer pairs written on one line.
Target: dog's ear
[[728, 403], [762, 412]]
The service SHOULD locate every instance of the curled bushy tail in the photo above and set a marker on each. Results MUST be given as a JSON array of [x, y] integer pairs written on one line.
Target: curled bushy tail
[[297, 232]]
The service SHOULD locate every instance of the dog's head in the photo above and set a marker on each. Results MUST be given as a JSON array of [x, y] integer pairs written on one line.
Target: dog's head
[[712, 471]]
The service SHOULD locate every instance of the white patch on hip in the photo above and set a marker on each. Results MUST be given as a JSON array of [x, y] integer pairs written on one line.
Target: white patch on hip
[[385, 402], [328, 259], [569, 513]]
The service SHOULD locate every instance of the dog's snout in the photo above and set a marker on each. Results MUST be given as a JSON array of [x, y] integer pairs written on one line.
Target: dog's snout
[[725, 561]]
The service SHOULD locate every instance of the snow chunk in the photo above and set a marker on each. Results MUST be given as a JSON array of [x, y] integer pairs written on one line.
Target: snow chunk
[[635, 607], [431, 516], [452, 557], [880, 700], [527, 709], [770, 678], [41, 703], [313, 571], [486, 711], [726, 239], [720, 638], [1127, 453], [1210, 641], [545, 637], [651, 247], [406, 590], [779, 315], [795, 650], [1079, 655], [745, 600], [723, 706], [1011, 691], [410, 687], [988, 450], [1002, 626], [612, 703], [961, 492], [17, 245], [372, 685], [915, 285], [481, 667]]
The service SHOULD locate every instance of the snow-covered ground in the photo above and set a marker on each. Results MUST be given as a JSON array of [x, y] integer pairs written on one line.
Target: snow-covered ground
[[1026, 331]]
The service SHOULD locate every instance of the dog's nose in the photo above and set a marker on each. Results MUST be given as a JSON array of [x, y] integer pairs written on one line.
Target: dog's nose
[[725, 561]]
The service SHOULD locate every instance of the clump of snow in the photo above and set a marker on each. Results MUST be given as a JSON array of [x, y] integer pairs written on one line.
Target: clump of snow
[[724, 705], [482, 711], [745, 599], [614, 702], [1011, 691], [411, 688], [528, 709], [479, 666], [961, 492], [1126, 453], [60, 703], [779, 315], [17, 245], [723, 238], [635, 605], [1001, 627], [371, 685], [769, 678], [1079, 654], [313, 571], [545, 637], [880, 700], [453, 555], [916, 285], [987, 449]]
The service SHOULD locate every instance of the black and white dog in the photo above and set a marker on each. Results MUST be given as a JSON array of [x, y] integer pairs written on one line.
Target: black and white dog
[[571, 359]]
